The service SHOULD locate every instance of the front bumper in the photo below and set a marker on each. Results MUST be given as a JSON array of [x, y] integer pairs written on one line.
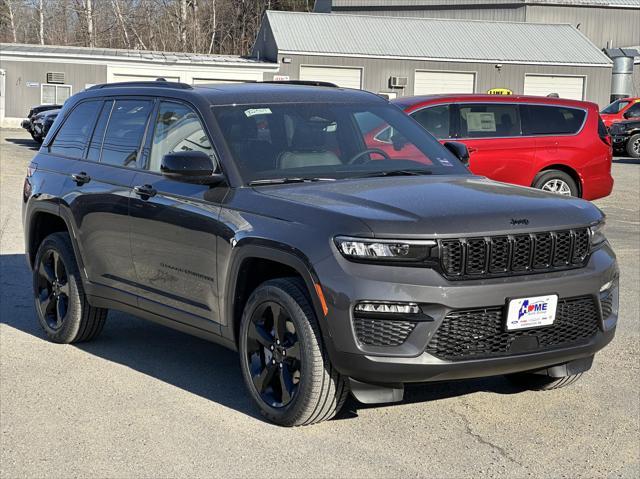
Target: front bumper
[[345, 283]]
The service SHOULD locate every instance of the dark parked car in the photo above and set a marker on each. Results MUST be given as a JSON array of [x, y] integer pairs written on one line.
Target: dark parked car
[[27, 124], [41, 124], [626, 137], [256, 216]]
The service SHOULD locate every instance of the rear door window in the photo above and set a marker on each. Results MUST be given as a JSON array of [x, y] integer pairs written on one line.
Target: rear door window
[[551, 120], [123, 138], [98, 133], [74, 134], [434, 119], [489, 120]]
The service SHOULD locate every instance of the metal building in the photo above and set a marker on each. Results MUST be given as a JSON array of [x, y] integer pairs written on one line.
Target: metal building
[[607, 23], [35, 74], [412, 56]]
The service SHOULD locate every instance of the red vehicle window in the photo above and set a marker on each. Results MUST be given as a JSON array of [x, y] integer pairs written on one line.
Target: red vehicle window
[[435, 119], [489, 120]]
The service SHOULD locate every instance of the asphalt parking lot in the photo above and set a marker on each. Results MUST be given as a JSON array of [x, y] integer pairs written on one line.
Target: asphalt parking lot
[[146, 401]]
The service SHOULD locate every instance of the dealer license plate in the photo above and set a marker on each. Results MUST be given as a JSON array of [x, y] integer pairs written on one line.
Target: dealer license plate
[[532, 312]]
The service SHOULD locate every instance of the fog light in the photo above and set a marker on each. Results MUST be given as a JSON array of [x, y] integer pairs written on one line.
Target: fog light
[[387, 308], [606, 286]]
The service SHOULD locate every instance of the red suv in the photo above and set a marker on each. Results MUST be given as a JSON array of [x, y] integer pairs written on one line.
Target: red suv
[[620, 110], [553, 144]]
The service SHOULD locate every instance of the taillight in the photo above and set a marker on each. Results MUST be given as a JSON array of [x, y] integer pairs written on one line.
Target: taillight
[[603, 133]]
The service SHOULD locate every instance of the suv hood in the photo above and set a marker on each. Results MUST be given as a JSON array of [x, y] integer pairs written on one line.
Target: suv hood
[[440, 206]]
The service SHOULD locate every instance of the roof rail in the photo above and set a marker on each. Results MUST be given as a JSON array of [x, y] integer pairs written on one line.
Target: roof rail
[[302, 82], [159, 83]]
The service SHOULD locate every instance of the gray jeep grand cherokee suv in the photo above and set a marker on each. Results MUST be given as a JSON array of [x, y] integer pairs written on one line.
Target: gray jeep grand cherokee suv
[[274, 220]]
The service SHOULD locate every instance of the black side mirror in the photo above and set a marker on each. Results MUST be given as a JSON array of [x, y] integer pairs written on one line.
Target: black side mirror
[[190, 167], [458, 149]]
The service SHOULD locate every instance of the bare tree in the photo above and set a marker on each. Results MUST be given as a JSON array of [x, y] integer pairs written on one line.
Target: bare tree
[[118, 13], [12, 22], [40, 9]]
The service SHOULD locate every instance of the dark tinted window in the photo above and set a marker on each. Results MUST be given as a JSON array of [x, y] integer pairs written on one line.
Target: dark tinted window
[[434, 119], [615, 107], [489, 120], [633, 112], [177, 128], [551, 120], [72, 138], [98, 132], [124, 132]]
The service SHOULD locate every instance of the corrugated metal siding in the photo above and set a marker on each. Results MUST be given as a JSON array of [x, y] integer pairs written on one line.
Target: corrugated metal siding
[[376, 73], [20, 97], [600, 25], [431, 39], [503, 14], [350, 4]]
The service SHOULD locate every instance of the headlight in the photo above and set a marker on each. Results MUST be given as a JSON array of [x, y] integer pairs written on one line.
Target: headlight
[[383, 250], [597, 235]]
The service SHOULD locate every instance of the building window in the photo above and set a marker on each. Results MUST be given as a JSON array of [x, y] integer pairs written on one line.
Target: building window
[[54, 94]]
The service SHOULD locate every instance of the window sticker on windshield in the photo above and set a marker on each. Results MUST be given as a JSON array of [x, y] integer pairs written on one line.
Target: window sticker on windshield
[[481, 121], [444, 162], [257, 111]]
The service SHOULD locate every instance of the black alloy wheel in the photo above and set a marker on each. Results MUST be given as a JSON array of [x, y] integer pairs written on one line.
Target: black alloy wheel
[[53, 289], [273, 354]]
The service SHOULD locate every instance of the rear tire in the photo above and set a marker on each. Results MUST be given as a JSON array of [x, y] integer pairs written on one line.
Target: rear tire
[[315, 391], [633, 146], [61, 304], [541, 382], [556, 181]]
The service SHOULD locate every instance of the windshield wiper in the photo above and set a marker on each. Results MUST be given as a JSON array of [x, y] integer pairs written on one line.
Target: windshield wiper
[[282, 181], [396, 173]]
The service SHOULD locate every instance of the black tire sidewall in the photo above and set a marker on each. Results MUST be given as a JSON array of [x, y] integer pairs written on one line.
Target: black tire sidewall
[[546, 176], [629, 146], [306, 338], [61, 243]]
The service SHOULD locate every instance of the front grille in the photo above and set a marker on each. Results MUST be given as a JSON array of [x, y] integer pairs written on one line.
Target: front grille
[[481, 333], [469, 258], [382, 332]]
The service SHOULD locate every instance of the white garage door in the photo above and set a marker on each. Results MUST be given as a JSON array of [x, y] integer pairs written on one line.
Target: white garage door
[[127, 77], [564, 86], [344, 77], [429, 83], [207, 81]]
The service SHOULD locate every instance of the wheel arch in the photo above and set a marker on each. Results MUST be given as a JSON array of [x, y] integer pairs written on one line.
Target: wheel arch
[[565, 169], [256, 261]]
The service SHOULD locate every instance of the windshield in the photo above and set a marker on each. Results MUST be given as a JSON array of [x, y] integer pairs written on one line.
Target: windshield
[[615, 107], [325, 141]]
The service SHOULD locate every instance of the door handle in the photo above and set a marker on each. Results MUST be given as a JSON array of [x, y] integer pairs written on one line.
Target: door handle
[[81, 178], [145, 191], [471, 149]]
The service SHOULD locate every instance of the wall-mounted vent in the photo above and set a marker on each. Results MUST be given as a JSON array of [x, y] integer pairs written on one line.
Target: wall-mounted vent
[[398, 82], [55, 77]]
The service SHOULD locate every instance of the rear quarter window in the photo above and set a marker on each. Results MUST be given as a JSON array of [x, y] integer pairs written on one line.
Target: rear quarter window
[[551, 120], [74, 134]]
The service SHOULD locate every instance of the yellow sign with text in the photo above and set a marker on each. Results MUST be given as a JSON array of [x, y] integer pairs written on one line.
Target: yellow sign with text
[[499, 91]]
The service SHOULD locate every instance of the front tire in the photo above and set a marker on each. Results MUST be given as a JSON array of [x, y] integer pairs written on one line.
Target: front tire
[[633, 146], [556, 181], [61, 304], [283, 360]]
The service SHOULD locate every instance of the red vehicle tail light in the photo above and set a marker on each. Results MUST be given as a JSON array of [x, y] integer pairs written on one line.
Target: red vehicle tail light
[[603, 133]]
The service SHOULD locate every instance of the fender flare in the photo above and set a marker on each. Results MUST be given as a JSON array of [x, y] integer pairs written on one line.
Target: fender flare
[[249, 248]]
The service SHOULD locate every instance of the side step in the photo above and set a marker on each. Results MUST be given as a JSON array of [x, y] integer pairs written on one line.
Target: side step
[[375, 394]]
